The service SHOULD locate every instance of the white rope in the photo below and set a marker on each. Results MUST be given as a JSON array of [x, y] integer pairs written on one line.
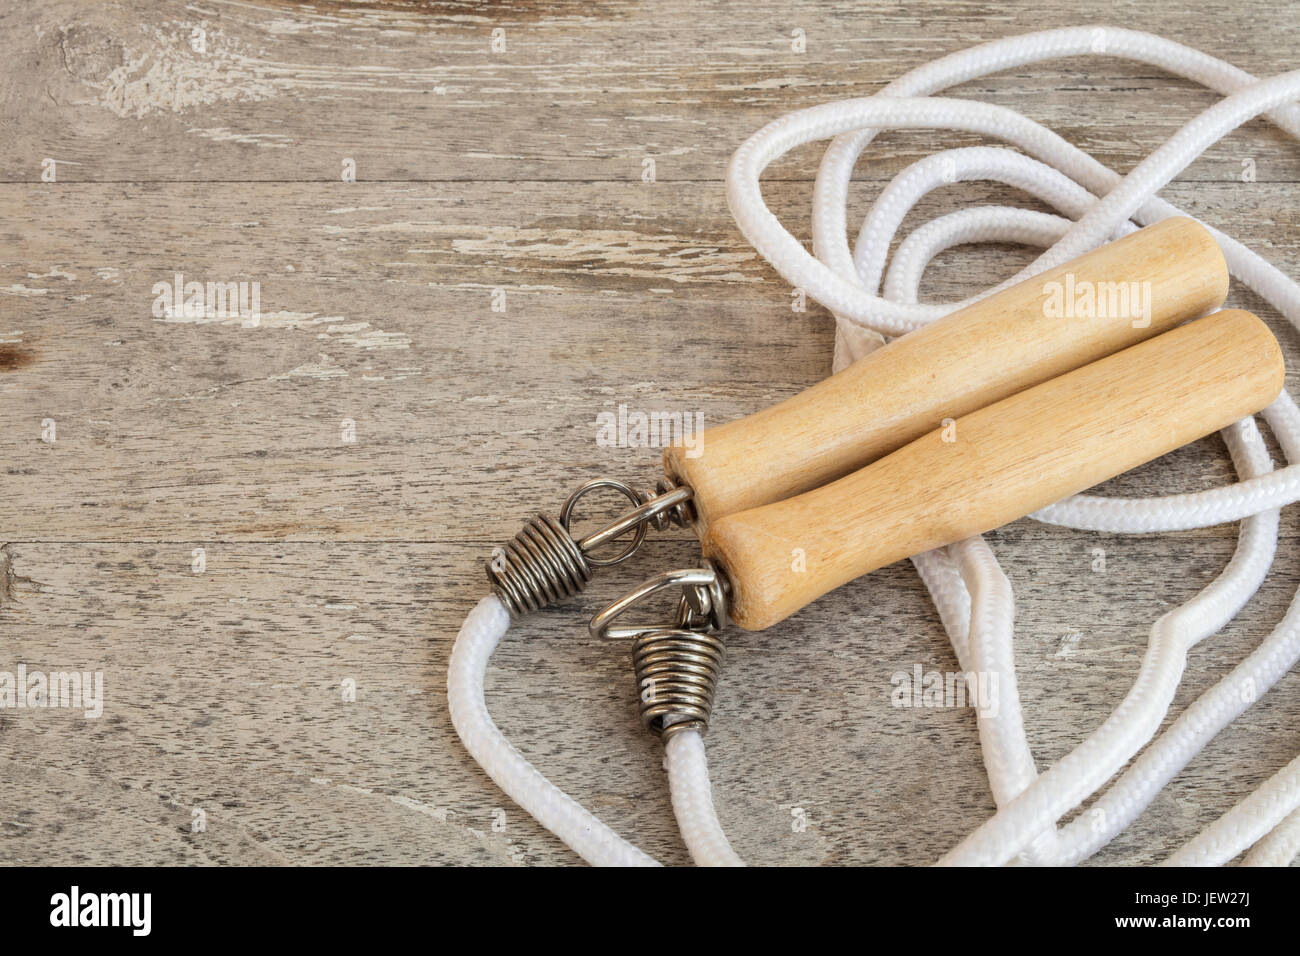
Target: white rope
[[1280, 847], [1244, 824], [688, 782], [522, 782], [847, 281], [972, 595]]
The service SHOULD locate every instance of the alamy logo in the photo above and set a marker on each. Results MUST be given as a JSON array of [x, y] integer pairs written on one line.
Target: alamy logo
[[634, 429], [179, 301], [75, 908], [1086, 299], [69, 689], [922, 688]]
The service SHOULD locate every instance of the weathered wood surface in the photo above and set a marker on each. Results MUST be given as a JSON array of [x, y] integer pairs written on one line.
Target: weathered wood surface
[[583, 90], [329, 560]]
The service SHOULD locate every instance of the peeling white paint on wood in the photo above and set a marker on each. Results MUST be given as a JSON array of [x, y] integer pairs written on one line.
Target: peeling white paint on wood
[[326, 368], [618, 252], [336, 327]]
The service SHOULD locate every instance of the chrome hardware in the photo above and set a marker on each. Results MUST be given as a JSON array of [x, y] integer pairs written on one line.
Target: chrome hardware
[[676, 664], [543, 564]]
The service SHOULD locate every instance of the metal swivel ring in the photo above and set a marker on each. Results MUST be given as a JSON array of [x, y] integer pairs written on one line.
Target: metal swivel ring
[[676, 664], [544, 564]]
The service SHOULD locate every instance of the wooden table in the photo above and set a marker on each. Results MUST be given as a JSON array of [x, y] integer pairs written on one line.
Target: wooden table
[[235, 525]]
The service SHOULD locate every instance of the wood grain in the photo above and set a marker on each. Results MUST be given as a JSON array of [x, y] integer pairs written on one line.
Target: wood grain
[[170, 430], [327, 560], [413, 91], [999, 463], [969, 359]]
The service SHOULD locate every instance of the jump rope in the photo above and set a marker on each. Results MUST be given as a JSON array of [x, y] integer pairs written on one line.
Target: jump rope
[[677, 662]]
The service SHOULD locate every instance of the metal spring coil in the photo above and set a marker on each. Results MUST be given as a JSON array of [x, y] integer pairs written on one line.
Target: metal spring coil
[[541, 566], [678, 516], [676, 674]]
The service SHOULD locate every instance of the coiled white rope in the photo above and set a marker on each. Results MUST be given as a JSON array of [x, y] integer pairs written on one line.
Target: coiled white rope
[[972, 595]]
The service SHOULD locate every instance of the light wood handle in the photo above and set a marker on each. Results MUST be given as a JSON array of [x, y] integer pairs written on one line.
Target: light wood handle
[[998, 464], [967, 360]]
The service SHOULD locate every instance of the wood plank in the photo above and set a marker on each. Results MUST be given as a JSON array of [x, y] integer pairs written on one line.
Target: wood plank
[[378, 309], [222, 692], [287, 91]]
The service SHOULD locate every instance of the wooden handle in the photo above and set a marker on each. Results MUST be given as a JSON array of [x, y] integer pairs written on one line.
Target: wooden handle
[[998, 464], [1024, 335]]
